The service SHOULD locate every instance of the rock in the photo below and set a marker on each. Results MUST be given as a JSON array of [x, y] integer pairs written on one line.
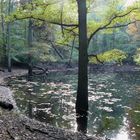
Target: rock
[[6, 99]]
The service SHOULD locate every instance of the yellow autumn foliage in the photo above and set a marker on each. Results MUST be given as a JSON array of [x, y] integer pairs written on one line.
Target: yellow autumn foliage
[[114, 55]]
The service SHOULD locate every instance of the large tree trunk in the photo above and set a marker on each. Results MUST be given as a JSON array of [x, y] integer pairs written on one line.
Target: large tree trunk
[[82, 91]]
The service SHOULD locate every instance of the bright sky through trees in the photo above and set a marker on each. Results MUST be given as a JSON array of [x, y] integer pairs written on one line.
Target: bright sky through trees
[[129, 2]]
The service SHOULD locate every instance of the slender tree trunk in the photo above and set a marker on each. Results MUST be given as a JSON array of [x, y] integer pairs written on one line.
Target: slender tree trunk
[[8, 49], [30, 39], [8, 40], [3, 35], [113, 39], [70, 59], [82, 91], [104, 46]]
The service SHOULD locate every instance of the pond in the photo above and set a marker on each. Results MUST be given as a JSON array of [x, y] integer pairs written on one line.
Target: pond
[[114, 102]]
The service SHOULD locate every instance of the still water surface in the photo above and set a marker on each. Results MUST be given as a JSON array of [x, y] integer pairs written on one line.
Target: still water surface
[[114, 102]]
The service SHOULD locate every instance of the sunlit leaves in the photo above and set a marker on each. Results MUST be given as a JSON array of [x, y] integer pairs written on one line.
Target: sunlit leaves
[[114, 55], [101, 14], [47, 11], [137, 56]]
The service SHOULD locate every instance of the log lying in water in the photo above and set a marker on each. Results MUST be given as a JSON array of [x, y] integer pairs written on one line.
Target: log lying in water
[[39, 70]]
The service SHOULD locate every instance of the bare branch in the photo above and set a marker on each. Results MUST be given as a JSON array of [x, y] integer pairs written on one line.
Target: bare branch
[[56, 50], [61, 16], [73, 42], [122, 25], [10, 135], [68, 45], [71, 31]]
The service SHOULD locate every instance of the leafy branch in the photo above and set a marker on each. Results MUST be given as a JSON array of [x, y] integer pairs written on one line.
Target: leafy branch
[[52, 22], [110, 21]]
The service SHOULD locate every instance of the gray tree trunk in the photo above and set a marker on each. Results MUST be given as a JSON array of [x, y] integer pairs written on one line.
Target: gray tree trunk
[[8, 40], [3, 35], [30, 39]]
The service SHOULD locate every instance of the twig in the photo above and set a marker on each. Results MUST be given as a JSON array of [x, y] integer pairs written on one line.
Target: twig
[[94, 55], [11, 137]]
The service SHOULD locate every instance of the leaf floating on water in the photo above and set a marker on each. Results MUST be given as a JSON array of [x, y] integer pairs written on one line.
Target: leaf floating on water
[[137, 111], [115, 100], [13, 77], [108, 109], [95, 98], [33, 93], [24, 81], [43, 84], [107, 101], [34, 109], [29, 86], [20, 85], [30, 89], [44, 93], [42, 89], [34, 83]]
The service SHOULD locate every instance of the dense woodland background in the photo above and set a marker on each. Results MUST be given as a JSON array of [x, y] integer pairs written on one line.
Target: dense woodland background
[[35, 31]]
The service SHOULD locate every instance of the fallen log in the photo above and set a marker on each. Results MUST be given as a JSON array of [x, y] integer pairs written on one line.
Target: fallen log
[[39, 70]]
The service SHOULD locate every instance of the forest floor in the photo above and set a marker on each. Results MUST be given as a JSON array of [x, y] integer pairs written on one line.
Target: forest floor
[[15, 72], [15, 126]]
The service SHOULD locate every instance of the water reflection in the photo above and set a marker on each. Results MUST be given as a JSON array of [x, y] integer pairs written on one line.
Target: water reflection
[[30, 108], [114, 109], [123, 132], [82, 124]]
